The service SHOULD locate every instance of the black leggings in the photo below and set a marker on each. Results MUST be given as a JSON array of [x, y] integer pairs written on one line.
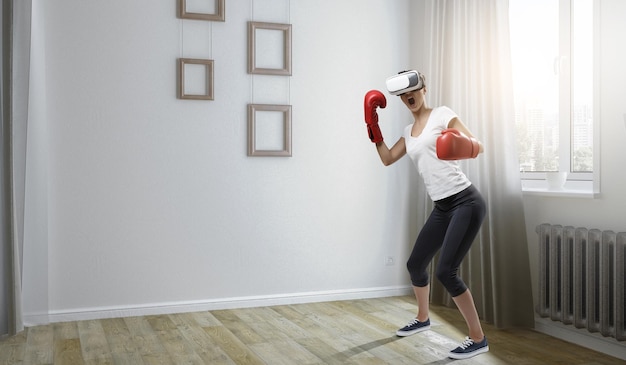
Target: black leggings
[[452, 226]]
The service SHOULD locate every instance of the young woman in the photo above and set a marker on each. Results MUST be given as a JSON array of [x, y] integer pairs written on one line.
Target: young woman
[[434, 140]]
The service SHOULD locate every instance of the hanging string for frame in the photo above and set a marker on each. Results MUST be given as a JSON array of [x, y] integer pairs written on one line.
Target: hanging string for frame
[[181, 34], [289, 78], [252, 75]]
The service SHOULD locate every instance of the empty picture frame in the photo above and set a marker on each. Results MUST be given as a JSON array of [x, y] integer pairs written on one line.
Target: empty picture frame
[[278, 142], [195, 79], [269, 48], [186, 11]]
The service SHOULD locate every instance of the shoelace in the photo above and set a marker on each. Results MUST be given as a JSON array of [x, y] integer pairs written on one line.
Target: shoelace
[[466, 343], [413, 322]]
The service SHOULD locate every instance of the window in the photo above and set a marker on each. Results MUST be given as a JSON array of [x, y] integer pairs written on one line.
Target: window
[[552, 49]]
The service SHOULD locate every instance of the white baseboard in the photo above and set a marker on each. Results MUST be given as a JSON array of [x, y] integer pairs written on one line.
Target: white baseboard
[[596, 342], [81, 314]]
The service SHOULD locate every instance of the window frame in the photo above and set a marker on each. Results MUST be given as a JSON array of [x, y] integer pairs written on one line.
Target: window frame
[[578, 184]]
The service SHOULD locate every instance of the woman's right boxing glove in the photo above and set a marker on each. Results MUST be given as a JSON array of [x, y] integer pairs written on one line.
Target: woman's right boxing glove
[[454, 145], [373, 99]]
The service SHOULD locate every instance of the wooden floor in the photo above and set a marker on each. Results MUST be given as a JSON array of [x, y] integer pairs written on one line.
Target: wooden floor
[[346, 332]]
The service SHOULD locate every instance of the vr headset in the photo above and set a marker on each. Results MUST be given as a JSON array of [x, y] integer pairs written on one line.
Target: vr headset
[[404, 82]]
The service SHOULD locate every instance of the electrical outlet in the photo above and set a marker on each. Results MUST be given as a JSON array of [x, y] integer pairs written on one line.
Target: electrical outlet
[[390, 261]]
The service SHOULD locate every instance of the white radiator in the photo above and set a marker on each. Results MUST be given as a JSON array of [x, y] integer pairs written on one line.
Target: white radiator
[[581, 278]]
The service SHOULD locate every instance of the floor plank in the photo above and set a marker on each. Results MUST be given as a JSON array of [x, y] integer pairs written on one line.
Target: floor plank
[[232, 346], [93, 342], [39, 349]]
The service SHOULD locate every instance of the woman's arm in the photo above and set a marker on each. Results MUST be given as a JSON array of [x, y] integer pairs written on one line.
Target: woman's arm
[[457, 124], [389, 156]]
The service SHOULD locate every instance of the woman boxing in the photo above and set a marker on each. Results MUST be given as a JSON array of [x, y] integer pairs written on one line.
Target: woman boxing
[[434, 140]]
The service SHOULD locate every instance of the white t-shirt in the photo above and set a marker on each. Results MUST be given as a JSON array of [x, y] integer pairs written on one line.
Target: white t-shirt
[[442, 178]]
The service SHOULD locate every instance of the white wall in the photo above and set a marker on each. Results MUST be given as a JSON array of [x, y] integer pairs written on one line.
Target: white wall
[[152, 200]]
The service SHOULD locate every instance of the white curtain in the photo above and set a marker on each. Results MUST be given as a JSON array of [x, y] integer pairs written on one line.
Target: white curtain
[[16, 67], [468, 68]]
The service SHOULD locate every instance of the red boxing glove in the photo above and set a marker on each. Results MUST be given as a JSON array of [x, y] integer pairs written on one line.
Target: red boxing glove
[[454, 145], [374, 99]]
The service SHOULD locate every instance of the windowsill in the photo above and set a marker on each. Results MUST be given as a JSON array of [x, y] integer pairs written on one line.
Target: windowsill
[[571, 189]]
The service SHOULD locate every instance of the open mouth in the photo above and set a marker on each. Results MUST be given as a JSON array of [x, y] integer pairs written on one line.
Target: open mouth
[[411, 101]]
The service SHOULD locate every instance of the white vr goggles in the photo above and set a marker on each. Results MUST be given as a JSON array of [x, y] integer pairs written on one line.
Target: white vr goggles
[[404, 82]]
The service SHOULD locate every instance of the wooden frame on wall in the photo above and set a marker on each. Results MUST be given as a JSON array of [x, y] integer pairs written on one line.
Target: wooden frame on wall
[[182, 92], [218, 16], [285, 70], [253, 109]]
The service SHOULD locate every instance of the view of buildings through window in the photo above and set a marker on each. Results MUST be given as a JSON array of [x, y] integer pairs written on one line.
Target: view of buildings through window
[[552, 55]]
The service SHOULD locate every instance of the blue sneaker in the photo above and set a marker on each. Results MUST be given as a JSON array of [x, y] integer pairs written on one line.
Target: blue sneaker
[[413, 327], [469, 348]]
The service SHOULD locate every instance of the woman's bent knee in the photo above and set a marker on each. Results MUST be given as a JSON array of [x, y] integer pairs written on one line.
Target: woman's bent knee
[[450, 280]]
